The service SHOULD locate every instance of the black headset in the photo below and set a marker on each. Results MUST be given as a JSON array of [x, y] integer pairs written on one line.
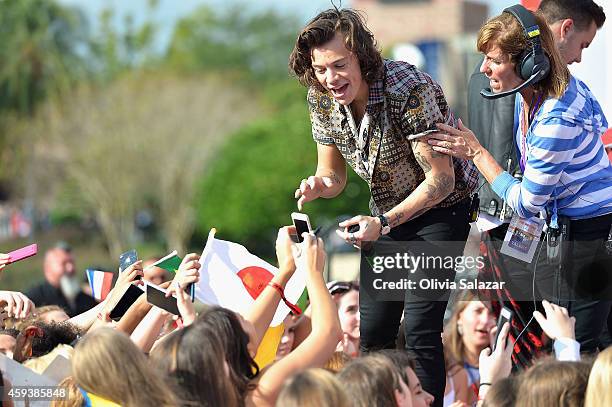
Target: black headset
[[533, 65]]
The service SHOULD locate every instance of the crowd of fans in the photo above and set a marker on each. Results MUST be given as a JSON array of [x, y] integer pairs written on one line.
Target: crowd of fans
[[149, 357]]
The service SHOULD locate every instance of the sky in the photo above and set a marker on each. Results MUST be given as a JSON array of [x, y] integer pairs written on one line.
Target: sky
[[169, 11]]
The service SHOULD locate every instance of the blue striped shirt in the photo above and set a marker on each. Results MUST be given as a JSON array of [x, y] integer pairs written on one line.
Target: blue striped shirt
[[566, 160]]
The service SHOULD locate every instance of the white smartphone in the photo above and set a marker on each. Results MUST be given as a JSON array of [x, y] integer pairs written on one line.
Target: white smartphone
[[302, 224]]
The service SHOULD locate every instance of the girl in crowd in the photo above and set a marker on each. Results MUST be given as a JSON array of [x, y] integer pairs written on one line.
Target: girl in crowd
[[405, 364], [193, 361], [313, 388], [239, 337], [553, 383], [375, 381], [466, 334], [346, 296], [107, 364]]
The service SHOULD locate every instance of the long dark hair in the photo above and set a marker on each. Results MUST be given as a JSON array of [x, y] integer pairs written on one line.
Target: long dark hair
[[225, 325], [322, 29], [192, 360]]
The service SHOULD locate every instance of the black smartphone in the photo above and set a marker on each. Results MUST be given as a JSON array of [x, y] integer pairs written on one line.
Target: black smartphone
[[129, 297], [127, 259], [157, 296], [504, 316]]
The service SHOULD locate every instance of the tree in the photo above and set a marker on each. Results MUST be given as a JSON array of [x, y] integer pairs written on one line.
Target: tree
[[39, 58], [145, 138], [235, 39], [39, 54], [247, 192]]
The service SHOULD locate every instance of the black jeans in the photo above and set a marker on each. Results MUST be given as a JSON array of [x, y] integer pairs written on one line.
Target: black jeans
[[423, 320]]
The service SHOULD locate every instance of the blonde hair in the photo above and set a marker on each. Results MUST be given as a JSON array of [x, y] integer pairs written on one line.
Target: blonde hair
[[553, 383], [108, 364], [508, 34], [598, 388], [72, 397], [337, 361], [313, 388]]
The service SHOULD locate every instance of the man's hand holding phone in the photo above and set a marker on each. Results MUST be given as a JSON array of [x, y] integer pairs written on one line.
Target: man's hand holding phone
[[311, 189]]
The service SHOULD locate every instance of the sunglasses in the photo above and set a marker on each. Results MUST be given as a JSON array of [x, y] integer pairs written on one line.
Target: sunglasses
[[341, 287]]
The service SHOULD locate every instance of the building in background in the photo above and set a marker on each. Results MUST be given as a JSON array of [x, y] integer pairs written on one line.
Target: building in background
[[443, 30]]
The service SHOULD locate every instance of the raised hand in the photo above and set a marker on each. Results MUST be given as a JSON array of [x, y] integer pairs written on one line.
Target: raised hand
[[16, 304], [188, 271], [557, 323], [311, 189]]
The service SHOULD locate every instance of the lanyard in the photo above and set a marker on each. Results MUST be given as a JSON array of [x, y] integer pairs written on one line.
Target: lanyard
[[526, 120]]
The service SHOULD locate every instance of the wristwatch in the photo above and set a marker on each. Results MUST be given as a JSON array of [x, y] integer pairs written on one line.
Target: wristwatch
[[384, 225]]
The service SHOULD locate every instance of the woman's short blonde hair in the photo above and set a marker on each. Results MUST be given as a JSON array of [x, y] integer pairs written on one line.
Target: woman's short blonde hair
[[505, 32]]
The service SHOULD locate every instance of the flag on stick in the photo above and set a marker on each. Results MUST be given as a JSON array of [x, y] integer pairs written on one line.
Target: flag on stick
[[100, 283], [232, 277]]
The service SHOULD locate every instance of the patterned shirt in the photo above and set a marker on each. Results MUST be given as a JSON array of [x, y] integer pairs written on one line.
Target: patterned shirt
[[565, 159], [403, 102]]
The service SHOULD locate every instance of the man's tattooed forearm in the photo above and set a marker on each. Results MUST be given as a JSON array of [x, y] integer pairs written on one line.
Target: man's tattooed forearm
[[396, 219], [439, 187], [422, 160]]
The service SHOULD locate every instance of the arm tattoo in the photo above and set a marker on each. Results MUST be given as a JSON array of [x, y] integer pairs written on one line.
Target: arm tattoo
[[334, 177], [441, 185], [422, 160], [396, 220]]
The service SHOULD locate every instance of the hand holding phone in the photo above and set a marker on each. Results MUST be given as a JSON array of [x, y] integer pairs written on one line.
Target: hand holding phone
[[127, 259], [504, 316], [158, 296], [302, 225], [22, 253]]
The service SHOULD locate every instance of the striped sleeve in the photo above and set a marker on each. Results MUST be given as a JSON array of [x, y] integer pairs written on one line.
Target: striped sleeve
[[551, 147]]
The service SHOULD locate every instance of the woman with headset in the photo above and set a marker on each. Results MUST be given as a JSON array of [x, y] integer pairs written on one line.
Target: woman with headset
[[567, 177]]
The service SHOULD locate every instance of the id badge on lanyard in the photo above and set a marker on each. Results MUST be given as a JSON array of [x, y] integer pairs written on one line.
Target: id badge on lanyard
[[522, 237]]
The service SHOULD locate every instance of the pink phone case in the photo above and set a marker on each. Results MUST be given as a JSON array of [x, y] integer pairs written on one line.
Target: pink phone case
[[23, 253]]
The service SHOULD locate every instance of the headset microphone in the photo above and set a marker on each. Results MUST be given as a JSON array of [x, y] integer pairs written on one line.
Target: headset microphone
[[532, 65], [488, 94]]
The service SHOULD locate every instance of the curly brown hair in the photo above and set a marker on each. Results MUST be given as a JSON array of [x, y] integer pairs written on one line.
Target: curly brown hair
[[322, 29]]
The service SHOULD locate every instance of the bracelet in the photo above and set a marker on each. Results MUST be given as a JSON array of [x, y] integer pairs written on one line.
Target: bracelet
[[294, 308], [484, 384]]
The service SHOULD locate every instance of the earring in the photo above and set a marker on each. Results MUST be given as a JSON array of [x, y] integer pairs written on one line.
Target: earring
[[460, 329]]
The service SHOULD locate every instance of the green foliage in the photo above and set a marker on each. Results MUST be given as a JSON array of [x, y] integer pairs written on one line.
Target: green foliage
[[248, 192], [235, 39], [39, 53]]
